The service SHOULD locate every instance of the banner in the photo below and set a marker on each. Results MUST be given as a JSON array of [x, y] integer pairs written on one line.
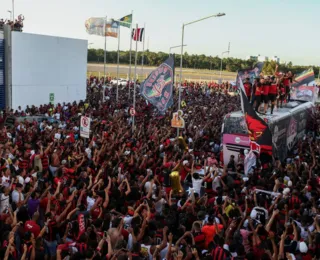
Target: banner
[[258, 130], [250, 73], [85, 126], [177, 120], [95, 26], [305, 87], [157, 88]]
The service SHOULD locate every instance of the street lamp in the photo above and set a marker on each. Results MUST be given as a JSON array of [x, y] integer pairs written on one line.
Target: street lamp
[[173, 47], [12, 10], [10, 15], [182, 36]]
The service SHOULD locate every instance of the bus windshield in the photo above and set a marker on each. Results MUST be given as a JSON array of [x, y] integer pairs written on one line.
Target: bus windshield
[[235, 125]]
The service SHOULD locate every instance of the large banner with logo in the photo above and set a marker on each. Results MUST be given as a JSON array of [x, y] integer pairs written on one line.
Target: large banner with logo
[[250, 73], [304, 87], [157, 88]]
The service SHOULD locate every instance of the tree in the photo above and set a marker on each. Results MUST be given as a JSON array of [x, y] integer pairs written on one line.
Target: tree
[[194, 61]]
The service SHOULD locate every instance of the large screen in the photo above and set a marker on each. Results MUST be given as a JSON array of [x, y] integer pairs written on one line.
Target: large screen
[[47, 69]]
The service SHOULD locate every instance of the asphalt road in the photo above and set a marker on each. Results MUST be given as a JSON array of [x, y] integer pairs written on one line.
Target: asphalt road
[[193, 74]]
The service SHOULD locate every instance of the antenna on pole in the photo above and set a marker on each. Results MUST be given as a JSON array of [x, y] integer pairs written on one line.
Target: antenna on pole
[[229, 47]]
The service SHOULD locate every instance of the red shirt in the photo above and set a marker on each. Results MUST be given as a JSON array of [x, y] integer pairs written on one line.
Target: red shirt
[[258, 90], [266, 89], [273, 89], [33, 227], [247, 88], [286, 82]]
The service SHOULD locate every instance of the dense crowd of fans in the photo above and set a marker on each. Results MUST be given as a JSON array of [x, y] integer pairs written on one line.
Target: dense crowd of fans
[[111, 197], [16, 25]]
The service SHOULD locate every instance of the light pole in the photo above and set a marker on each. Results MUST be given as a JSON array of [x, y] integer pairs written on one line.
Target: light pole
[[173, 47], [221, 65], [228, 51], [12, 10], [182, 38], [10, 15]]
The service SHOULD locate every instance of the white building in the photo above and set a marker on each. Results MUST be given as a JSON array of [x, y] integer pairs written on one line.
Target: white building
[[275, 58], [262, 58]]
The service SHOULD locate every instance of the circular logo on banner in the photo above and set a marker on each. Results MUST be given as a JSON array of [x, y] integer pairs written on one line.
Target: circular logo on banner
[[85, 121], [237, 140], [132, 111]]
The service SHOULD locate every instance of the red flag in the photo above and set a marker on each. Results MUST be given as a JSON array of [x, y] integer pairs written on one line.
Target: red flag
[[137, 34], [82, 225]]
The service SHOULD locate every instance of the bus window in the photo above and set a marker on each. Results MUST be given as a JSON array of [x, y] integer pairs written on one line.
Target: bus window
[[235, 125]]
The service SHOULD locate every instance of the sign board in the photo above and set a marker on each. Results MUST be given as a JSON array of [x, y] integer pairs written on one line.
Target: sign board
[[85, 126], [132, 112], [177, 120], [51, 98]]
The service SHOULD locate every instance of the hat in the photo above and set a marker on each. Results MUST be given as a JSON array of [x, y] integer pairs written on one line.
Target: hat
[[289, 183], [286, 191], [303, 248], [185, 162], [27, 180], [64, 162]]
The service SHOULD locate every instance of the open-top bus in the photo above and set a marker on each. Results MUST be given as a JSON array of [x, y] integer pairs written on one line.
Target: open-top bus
[[287, 126]]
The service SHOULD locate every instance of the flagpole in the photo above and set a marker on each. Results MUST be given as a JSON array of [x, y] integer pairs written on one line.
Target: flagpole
[[118, 59], [130, 54], [135, 79], [144, 35], [105, 54], [105, 46]]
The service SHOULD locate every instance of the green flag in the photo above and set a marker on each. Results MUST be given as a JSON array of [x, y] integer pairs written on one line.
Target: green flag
[[126, 21]]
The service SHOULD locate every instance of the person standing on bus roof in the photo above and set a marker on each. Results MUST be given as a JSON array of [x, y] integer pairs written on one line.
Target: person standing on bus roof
[[273, 92], [265, 93], [248, 88], [258, 93]]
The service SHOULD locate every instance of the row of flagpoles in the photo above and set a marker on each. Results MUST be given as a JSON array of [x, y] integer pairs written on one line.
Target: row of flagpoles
[[101, 26]]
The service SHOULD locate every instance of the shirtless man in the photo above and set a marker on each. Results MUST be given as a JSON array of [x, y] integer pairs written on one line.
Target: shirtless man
[[55, 161]]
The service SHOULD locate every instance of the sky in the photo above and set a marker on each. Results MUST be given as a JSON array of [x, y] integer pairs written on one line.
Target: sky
[[284, 28]]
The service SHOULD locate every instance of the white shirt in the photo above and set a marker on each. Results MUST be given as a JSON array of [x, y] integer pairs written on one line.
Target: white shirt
[[5, 181], [57, 116], [147, 187], [90, 203], [4, 202], [196, 184], [20, 179], [15, 196], [215, 183]]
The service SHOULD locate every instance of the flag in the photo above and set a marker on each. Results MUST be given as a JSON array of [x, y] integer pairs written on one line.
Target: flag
[[126, 21], [304, 87], [258, 130], [157, 88], [96, 25], [137, 34], [250, 73], [304, 78]]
